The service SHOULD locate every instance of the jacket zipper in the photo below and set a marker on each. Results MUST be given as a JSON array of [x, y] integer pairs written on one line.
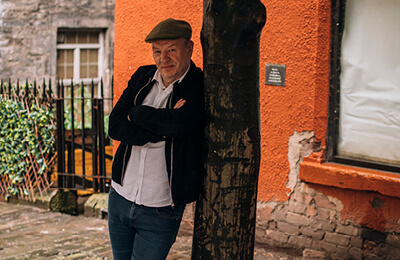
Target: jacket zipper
[[170, 181], [126, 149], [172, 159], [134, 102]]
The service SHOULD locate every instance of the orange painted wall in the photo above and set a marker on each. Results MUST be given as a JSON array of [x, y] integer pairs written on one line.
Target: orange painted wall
[[296, 34], [292, 36]]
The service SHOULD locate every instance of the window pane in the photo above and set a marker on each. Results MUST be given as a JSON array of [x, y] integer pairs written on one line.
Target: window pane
[[70, 72], [61, 37], [83, 37], [369, 123], [70, 56], [70, 37], [61, 56], [88, 63], [84, 56], [84, 73], [65, 64], [93, 71], [93, 56], [60, 72], [93, 37]]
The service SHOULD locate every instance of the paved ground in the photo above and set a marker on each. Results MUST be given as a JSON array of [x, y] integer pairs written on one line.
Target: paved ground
[[28, 232]]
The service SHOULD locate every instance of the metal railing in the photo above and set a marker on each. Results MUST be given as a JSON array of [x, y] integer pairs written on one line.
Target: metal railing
[[80, 141]]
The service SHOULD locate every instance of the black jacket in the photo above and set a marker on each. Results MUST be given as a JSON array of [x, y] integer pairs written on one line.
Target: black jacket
[[180, 128]]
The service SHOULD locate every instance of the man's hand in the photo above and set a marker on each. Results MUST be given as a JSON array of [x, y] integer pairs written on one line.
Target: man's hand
[[180, 103]]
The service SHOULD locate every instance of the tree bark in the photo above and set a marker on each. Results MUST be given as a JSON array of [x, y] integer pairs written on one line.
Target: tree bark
[[226, 210]]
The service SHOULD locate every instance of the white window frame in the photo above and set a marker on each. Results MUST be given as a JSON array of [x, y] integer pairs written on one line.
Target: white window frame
[[77, 47]]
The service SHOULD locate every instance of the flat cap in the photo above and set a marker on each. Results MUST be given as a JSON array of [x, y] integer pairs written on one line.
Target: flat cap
[[170, 29]]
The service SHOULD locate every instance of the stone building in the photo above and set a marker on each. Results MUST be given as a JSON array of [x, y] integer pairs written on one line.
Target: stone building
[[55, 39], [329, 180]]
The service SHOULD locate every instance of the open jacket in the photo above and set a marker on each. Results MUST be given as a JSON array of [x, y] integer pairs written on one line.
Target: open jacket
[[180, 128]]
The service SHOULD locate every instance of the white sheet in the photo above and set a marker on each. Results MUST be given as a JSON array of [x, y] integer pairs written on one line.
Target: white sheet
[[370, 81]]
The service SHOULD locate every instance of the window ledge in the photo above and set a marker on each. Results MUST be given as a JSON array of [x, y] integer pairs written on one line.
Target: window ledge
[[314, 170]]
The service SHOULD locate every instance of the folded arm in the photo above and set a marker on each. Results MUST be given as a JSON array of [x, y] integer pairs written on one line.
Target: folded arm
[[183, 119], [122, 129]]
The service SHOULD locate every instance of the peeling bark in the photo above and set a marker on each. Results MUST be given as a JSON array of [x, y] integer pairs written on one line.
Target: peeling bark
[[226, 211]]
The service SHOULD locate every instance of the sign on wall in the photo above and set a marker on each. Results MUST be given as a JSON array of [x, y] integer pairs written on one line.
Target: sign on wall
[[275, 74]]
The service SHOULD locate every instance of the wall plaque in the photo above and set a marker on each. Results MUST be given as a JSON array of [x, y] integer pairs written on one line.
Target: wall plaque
[[275, 74]]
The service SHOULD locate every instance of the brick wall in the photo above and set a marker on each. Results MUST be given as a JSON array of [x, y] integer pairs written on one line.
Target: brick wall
[[311, 221]]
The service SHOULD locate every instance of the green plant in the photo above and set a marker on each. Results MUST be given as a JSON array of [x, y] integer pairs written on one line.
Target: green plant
[[77, 108], [77, 105], [106, 120], [27, 137]]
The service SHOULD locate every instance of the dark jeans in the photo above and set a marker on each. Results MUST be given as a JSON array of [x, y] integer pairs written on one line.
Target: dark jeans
[[141, 233]]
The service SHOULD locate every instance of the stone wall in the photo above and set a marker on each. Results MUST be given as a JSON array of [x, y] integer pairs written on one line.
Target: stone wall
[[311, 221], [28, 37]]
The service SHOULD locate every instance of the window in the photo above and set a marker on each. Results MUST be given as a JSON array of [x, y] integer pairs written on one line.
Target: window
[[364, 113], [79, 55]]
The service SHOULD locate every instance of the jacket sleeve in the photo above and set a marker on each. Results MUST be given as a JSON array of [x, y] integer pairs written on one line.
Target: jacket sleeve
[[128, 132], [171, 122]]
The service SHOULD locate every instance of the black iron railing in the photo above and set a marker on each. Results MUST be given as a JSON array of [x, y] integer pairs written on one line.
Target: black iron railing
[[77, 136]]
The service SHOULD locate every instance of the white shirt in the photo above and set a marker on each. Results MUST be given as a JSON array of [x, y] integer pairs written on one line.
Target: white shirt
[[146, 177]]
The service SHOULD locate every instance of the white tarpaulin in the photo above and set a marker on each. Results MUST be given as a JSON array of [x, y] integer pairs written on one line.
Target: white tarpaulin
[[370, 81]]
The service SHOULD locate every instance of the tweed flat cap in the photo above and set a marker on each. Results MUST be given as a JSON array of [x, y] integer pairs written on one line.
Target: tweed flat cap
[[170, 29]]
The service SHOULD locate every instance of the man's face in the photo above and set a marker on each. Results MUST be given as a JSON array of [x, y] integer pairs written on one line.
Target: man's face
[[172, 58]]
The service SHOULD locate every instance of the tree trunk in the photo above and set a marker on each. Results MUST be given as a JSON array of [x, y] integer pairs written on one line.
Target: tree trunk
[[226, 210]]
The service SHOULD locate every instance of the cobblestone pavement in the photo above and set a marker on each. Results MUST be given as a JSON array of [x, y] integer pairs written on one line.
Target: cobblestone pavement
[[28, 232]]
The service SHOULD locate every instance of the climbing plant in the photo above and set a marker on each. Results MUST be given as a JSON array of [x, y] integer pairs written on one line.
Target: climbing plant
[[81, 94], [27, 137]]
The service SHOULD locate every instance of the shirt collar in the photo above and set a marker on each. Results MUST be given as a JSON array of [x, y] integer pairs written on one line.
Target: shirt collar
[[157, 77]]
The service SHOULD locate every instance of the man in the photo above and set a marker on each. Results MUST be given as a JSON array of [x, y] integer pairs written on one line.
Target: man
[[156, 168]]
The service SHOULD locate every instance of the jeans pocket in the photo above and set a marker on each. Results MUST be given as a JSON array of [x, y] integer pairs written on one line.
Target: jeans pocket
[[171, 213], [111, 191]]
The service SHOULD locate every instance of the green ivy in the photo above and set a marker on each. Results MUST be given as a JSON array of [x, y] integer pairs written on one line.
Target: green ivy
[[76, 107], [26, 137]]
